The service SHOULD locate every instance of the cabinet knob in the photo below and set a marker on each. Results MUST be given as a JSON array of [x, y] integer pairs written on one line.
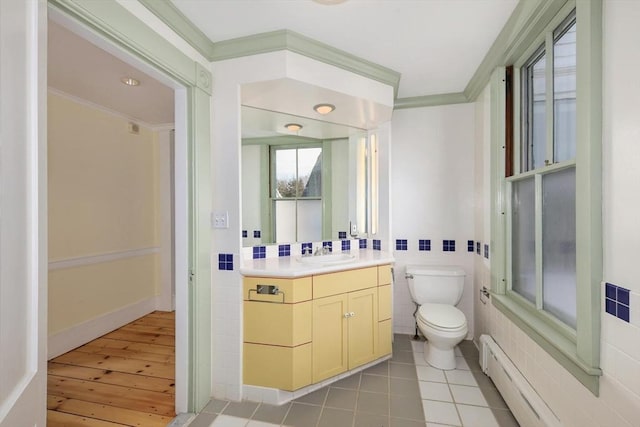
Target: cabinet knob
[[352, 314], [347, 315]]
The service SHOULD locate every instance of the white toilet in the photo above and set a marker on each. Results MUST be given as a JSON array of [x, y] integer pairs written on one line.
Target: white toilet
[[437, 289]]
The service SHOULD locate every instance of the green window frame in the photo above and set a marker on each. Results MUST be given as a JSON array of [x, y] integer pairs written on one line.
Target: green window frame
[[576, 346]]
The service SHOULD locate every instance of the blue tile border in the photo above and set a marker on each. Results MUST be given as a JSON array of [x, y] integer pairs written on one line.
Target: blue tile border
[[225, 261], [259, 252], [362, 243], [478, 248], [401, 244], [470, 245], [617, 301], [256, 234], [486, 251], [449, 245], [284, 250], [306, 246], [244, 233], [424, 245], [342, 235], [346, 245], [377, 245], [328, 244]]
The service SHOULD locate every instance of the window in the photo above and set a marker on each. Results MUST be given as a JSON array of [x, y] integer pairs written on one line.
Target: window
[[296, 193], [542, 209], [546, 225]]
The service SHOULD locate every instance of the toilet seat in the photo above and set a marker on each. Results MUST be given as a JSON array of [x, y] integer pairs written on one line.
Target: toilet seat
[[442, 317]]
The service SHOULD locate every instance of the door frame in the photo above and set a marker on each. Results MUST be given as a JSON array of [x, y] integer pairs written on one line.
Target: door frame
[[130, 35]]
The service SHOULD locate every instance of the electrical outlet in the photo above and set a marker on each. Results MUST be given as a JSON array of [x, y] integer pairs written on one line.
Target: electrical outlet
[[220, 219], [354, 229]]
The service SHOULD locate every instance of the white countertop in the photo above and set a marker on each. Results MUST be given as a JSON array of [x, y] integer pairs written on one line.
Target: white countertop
[[290, 266]]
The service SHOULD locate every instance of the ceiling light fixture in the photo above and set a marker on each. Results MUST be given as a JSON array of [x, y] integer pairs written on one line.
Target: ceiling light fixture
[[324, 108], [130, 81], [293, 127]]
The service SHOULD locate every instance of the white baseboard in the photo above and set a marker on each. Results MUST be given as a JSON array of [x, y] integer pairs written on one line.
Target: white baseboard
[[81, 334]]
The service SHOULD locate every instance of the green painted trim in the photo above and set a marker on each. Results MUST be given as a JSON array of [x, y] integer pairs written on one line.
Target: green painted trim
[[327, 194], [430, 100], [171, 15], [280, 140], [589, 236], [266, 207], [525, 23], [558, 346], [306, 46], [118, 25]]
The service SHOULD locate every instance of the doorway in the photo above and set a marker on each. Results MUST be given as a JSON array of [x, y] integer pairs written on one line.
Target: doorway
[[167, 257]]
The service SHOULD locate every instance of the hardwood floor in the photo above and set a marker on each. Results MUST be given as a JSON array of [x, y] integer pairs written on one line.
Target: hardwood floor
[[124, 378]]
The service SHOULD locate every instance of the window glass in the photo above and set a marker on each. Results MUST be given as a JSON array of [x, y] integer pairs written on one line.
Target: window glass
[[559, 245], [523, 238], [564, 93], [535, 141]]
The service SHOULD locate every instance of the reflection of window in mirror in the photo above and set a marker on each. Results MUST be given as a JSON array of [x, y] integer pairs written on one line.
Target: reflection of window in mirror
[[296, 193]]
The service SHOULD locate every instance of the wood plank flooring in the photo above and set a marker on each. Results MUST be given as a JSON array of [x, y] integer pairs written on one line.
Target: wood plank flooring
[[124, 378]]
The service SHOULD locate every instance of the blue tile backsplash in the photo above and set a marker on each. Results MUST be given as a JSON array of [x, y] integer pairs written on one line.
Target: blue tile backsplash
[[401, 244], [342, 234], [478, 248], [307, 248], [617, 301], [346, 245], [244, 233], [256, 234], [486, 251], [469, 245], [284, 250], [377, 245], [259, 252], [449, 245], [328, 245], [225, 261], [362, 243], [424, 245]]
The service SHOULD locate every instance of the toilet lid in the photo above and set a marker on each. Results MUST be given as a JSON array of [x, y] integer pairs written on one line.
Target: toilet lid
[[442, 316]]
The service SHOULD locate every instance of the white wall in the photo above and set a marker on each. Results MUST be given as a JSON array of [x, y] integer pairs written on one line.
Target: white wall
[[432, 187], [619, 401]]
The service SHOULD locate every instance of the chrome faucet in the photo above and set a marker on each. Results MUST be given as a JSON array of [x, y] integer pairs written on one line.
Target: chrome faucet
[[307, 251]]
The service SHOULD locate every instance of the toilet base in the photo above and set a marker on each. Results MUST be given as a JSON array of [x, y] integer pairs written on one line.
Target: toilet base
[[439, 358]]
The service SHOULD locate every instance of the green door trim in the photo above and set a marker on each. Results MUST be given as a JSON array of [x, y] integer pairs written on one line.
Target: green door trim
[[127, 32]]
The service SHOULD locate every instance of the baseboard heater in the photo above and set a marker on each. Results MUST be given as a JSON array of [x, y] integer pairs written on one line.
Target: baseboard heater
[[525, 404]]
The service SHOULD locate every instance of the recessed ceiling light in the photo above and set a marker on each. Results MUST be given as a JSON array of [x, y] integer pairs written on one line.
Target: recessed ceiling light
[[293, 127], [324, 108], [130, 81]]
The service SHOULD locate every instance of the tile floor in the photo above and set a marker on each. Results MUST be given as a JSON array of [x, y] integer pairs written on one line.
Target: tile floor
[[401, 392]]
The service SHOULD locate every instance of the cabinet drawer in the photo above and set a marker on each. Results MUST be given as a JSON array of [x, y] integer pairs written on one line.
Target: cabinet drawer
[[277, 324], [384, 302], [286, 368], [325, 285], [292, 290], [384, 275]]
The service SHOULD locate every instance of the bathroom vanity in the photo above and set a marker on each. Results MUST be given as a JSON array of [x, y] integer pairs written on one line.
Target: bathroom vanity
[[306, 321]]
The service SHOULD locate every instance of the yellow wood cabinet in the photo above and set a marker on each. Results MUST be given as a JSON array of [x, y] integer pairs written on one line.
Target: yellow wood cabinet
[[315, 327]]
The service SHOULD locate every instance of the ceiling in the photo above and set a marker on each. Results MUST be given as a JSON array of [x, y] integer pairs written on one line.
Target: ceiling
[[82, 70], [436, 45]]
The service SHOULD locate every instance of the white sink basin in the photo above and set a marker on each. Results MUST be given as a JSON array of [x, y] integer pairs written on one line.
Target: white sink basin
[[328, 259]]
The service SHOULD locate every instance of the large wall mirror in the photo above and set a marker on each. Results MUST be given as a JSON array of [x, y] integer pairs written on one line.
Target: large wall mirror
[[310, 182]]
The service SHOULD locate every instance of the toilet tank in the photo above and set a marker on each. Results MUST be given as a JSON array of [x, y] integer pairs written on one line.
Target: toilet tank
[[435, 284]]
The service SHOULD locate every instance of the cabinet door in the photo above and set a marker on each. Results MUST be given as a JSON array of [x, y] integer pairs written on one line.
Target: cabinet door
[[363, 326], [329, 337]]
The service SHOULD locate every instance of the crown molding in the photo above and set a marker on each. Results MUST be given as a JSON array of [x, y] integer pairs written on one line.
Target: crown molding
[[430, 100], [168, 13], [268, 42], [527, 20]]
